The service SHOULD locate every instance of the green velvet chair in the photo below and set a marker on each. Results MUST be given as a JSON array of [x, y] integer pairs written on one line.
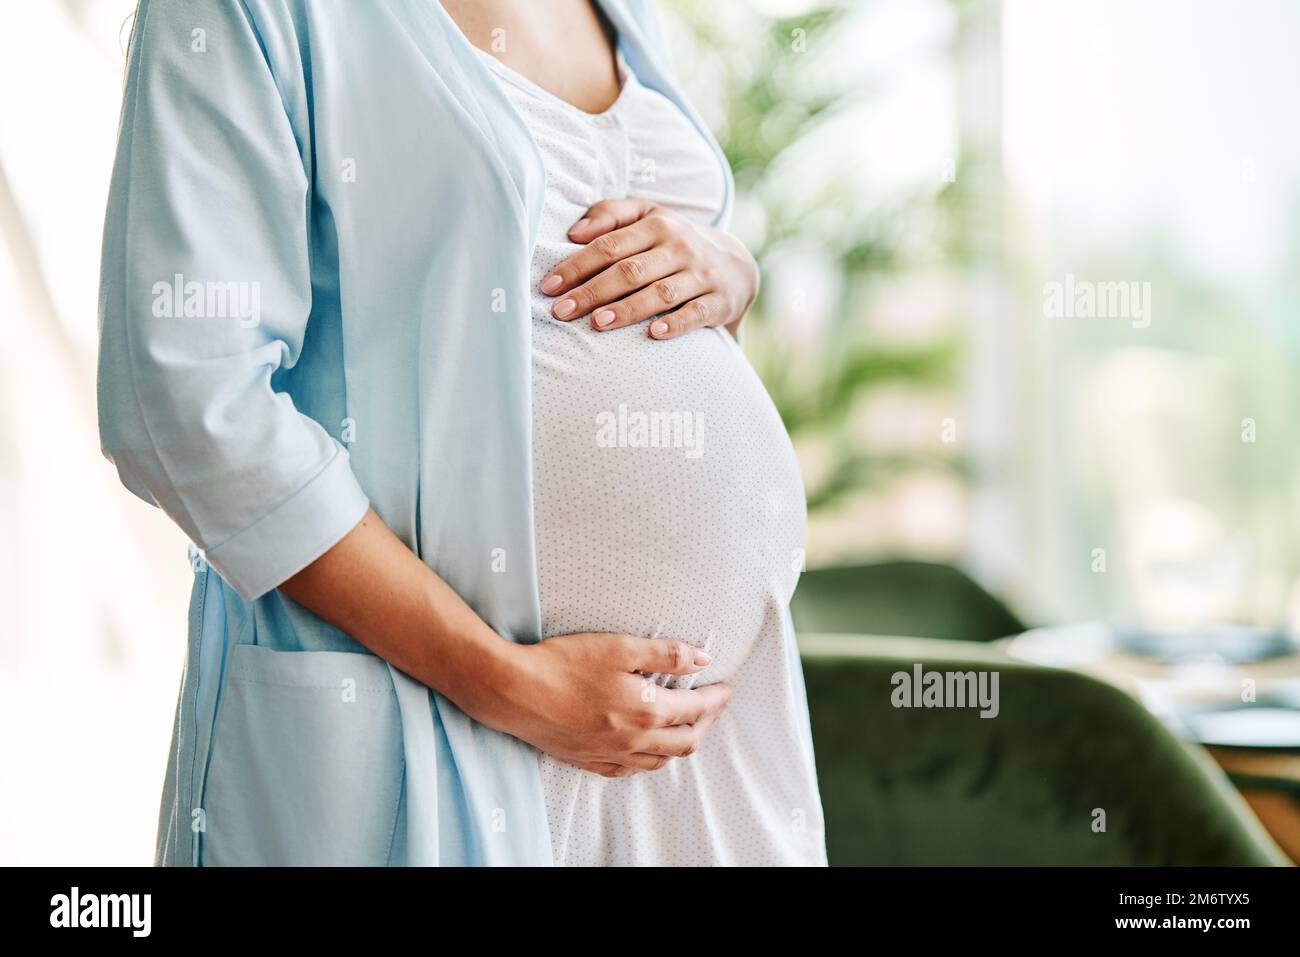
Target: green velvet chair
[[947, 787], [916, 599]]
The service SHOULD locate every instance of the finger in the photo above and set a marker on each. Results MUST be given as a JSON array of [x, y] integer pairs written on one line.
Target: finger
[[664, 656], [679, 741], [633, 761], [706, 310], [607, 215], [644, 761], [604, 768], [594, 258], [625, 277], [691, 706], [659, 296]]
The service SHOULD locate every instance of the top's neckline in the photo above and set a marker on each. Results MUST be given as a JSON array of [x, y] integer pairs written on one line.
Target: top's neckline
[[512, 75]]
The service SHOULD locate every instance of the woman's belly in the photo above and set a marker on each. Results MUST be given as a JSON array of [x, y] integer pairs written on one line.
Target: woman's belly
[[668, 503], [668, 500]]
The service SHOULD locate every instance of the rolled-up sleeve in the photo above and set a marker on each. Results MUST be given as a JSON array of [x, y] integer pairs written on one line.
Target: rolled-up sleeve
[[205, 293]]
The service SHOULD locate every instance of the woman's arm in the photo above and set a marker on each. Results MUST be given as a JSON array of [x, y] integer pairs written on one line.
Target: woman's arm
[[577, 697]]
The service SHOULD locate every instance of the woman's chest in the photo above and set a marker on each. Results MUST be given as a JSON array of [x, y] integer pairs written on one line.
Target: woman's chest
[[565, 44], [642, 145]]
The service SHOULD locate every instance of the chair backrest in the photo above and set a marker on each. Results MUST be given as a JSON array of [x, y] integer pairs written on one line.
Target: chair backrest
[[916, 599], [1071, 771]]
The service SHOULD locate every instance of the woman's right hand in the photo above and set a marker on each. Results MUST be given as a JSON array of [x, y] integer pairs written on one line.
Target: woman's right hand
[[584, 699]]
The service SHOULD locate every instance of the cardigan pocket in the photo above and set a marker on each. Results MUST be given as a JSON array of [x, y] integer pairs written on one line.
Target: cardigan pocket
[[306, 763]]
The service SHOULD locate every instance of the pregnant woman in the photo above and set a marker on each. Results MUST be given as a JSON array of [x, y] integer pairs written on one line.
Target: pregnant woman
[[420, 320]]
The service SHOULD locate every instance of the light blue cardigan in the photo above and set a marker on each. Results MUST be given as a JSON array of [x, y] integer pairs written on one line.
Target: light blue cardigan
[[347, 204]]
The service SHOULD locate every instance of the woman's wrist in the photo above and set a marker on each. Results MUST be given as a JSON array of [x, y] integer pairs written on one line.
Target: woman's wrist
[[485, 676], [746, 267]]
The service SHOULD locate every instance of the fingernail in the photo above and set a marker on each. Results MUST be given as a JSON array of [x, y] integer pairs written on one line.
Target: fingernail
[[552, 283], [659, 328], [604, 317], [564, 307], [580, 224], [701, 659]]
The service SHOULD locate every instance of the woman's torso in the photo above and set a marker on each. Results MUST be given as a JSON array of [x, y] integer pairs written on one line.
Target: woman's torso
[[668, 503]]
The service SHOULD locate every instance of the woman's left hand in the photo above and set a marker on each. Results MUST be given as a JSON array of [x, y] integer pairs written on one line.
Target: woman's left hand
[[641, 261]]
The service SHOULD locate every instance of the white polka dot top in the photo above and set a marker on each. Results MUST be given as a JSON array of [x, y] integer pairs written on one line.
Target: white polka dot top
[[668, 503]]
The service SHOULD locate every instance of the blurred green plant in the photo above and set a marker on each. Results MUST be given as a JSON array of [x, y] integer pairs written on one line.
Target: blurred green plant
[[772, 100]]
